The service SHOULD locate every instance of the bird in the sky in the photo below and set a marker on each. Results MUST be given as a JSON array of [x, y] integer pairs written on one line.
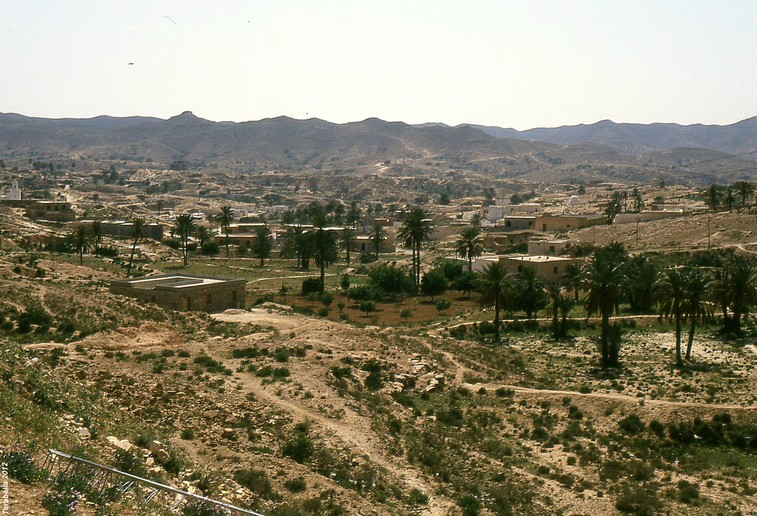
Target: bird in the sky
[[168, 17], [131, 64]]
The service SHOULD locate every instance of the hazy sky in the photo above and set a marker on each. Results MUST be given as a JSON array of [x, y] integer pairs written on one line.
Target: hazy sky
[[515, 64]]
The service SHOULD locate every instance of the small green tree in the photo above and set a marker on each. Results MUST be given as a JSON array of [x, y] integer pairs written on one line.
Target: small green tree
[[434, 283]]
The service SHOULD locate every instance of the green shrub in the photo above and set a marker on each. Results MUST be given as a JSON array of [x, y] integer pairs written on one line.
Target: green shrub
[[296, 485], [406, 313], [632, 424], [367, 306], [374, 381], [251, 352], [299, 448], [188, 434], [688, 493], [503, 392], [443, 304], [434, 283], [390, 279], [129, 462], [311, 285], [470, 505], [638, 500], [417, 497], [21, 466], [364, 293], [327, 298], [257, 481]]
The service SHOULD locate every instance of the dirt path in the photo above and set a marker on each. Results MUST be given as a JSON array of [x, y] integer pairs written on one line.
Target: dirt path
[[355, 431]]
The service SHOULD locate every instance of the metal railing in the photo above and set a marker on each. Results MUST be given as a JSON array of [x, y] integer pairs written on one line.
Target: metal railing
[[101, 478]]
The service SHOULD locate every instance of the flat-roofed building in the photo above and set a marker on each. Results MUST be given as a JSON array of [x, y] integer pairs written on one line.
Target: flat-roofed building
[[185, 291], [550, 268]]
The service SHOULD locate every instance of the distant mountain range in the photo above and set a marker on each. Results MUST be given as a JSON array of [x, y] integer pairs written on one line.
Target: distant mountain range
[[641, 138], [297, 144]]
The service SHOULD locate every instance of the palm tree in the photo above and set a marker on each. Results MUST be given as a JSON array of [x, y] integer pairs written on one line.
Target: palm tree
[[81, 241], [730, 199], [672, 292], [554, 290], [736, 290], [530, 294], [354, 216], [603, 283], [495, 282], [642, 273], [713, 196], [203, 235], [263, 243], [348, 242], [572, 278], [745, 190], [298, 243], [695, 307], [416, 229], [324, 244], [469, 245], [137, 233], [184, 228], [565, 305], [225, 218], [378, 235], [97, 233]]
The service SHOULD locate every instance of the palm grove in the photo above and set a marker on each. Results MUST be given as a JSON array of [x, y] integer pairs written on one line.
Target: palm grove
[[705, 287]]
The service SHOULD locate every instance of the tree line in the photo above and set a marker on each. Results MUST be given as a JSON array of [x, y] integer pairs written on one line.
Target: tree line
[[688, 294]]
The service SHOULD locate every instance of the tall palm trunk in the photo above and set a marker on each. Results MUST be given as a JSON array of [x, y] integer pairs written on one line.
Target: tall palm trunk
[[496, 319], [131, 258], [679, 330], [604, 338], [690, 344]]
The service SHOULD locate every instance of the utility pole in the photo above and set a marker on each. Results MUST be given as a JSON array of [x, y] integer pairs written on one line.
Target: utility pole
[[708, 231]]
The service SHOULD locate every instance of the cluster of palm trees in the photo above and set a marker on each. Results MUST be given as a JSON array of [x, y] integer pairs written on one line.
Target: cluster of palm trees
[[185, 228], [686, 294], [727, 196], [416, 229]]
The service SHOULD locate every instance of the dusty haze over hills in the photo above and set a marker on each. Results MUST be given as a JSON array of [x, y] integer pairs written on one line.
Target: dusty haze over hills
[[724, 152]]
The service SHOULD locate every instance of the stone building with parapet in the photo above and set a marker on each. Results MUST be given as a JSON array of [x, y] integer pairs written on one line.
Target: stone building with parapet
[[185, 291]]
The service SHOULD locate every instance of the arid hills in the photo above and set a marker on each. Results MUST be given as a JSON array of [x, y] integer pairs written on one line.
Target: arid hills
[[604, 151]]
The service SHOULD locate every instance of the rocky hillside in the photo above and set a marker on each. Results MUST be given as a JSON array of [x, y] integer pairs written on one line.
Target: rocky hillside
[[644, 138]]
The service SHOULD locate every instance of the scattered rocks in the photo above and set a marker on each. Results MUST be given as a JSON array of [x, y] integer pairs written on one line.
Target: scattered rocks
[[84, 434], [120, 444]]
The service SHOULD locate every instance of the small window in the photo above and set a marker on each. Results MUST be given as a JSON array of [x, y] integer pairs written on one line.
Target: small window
[[208, 298], [234, 295], [543, 227], [153, 299], [555, 270], [551, 249]]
